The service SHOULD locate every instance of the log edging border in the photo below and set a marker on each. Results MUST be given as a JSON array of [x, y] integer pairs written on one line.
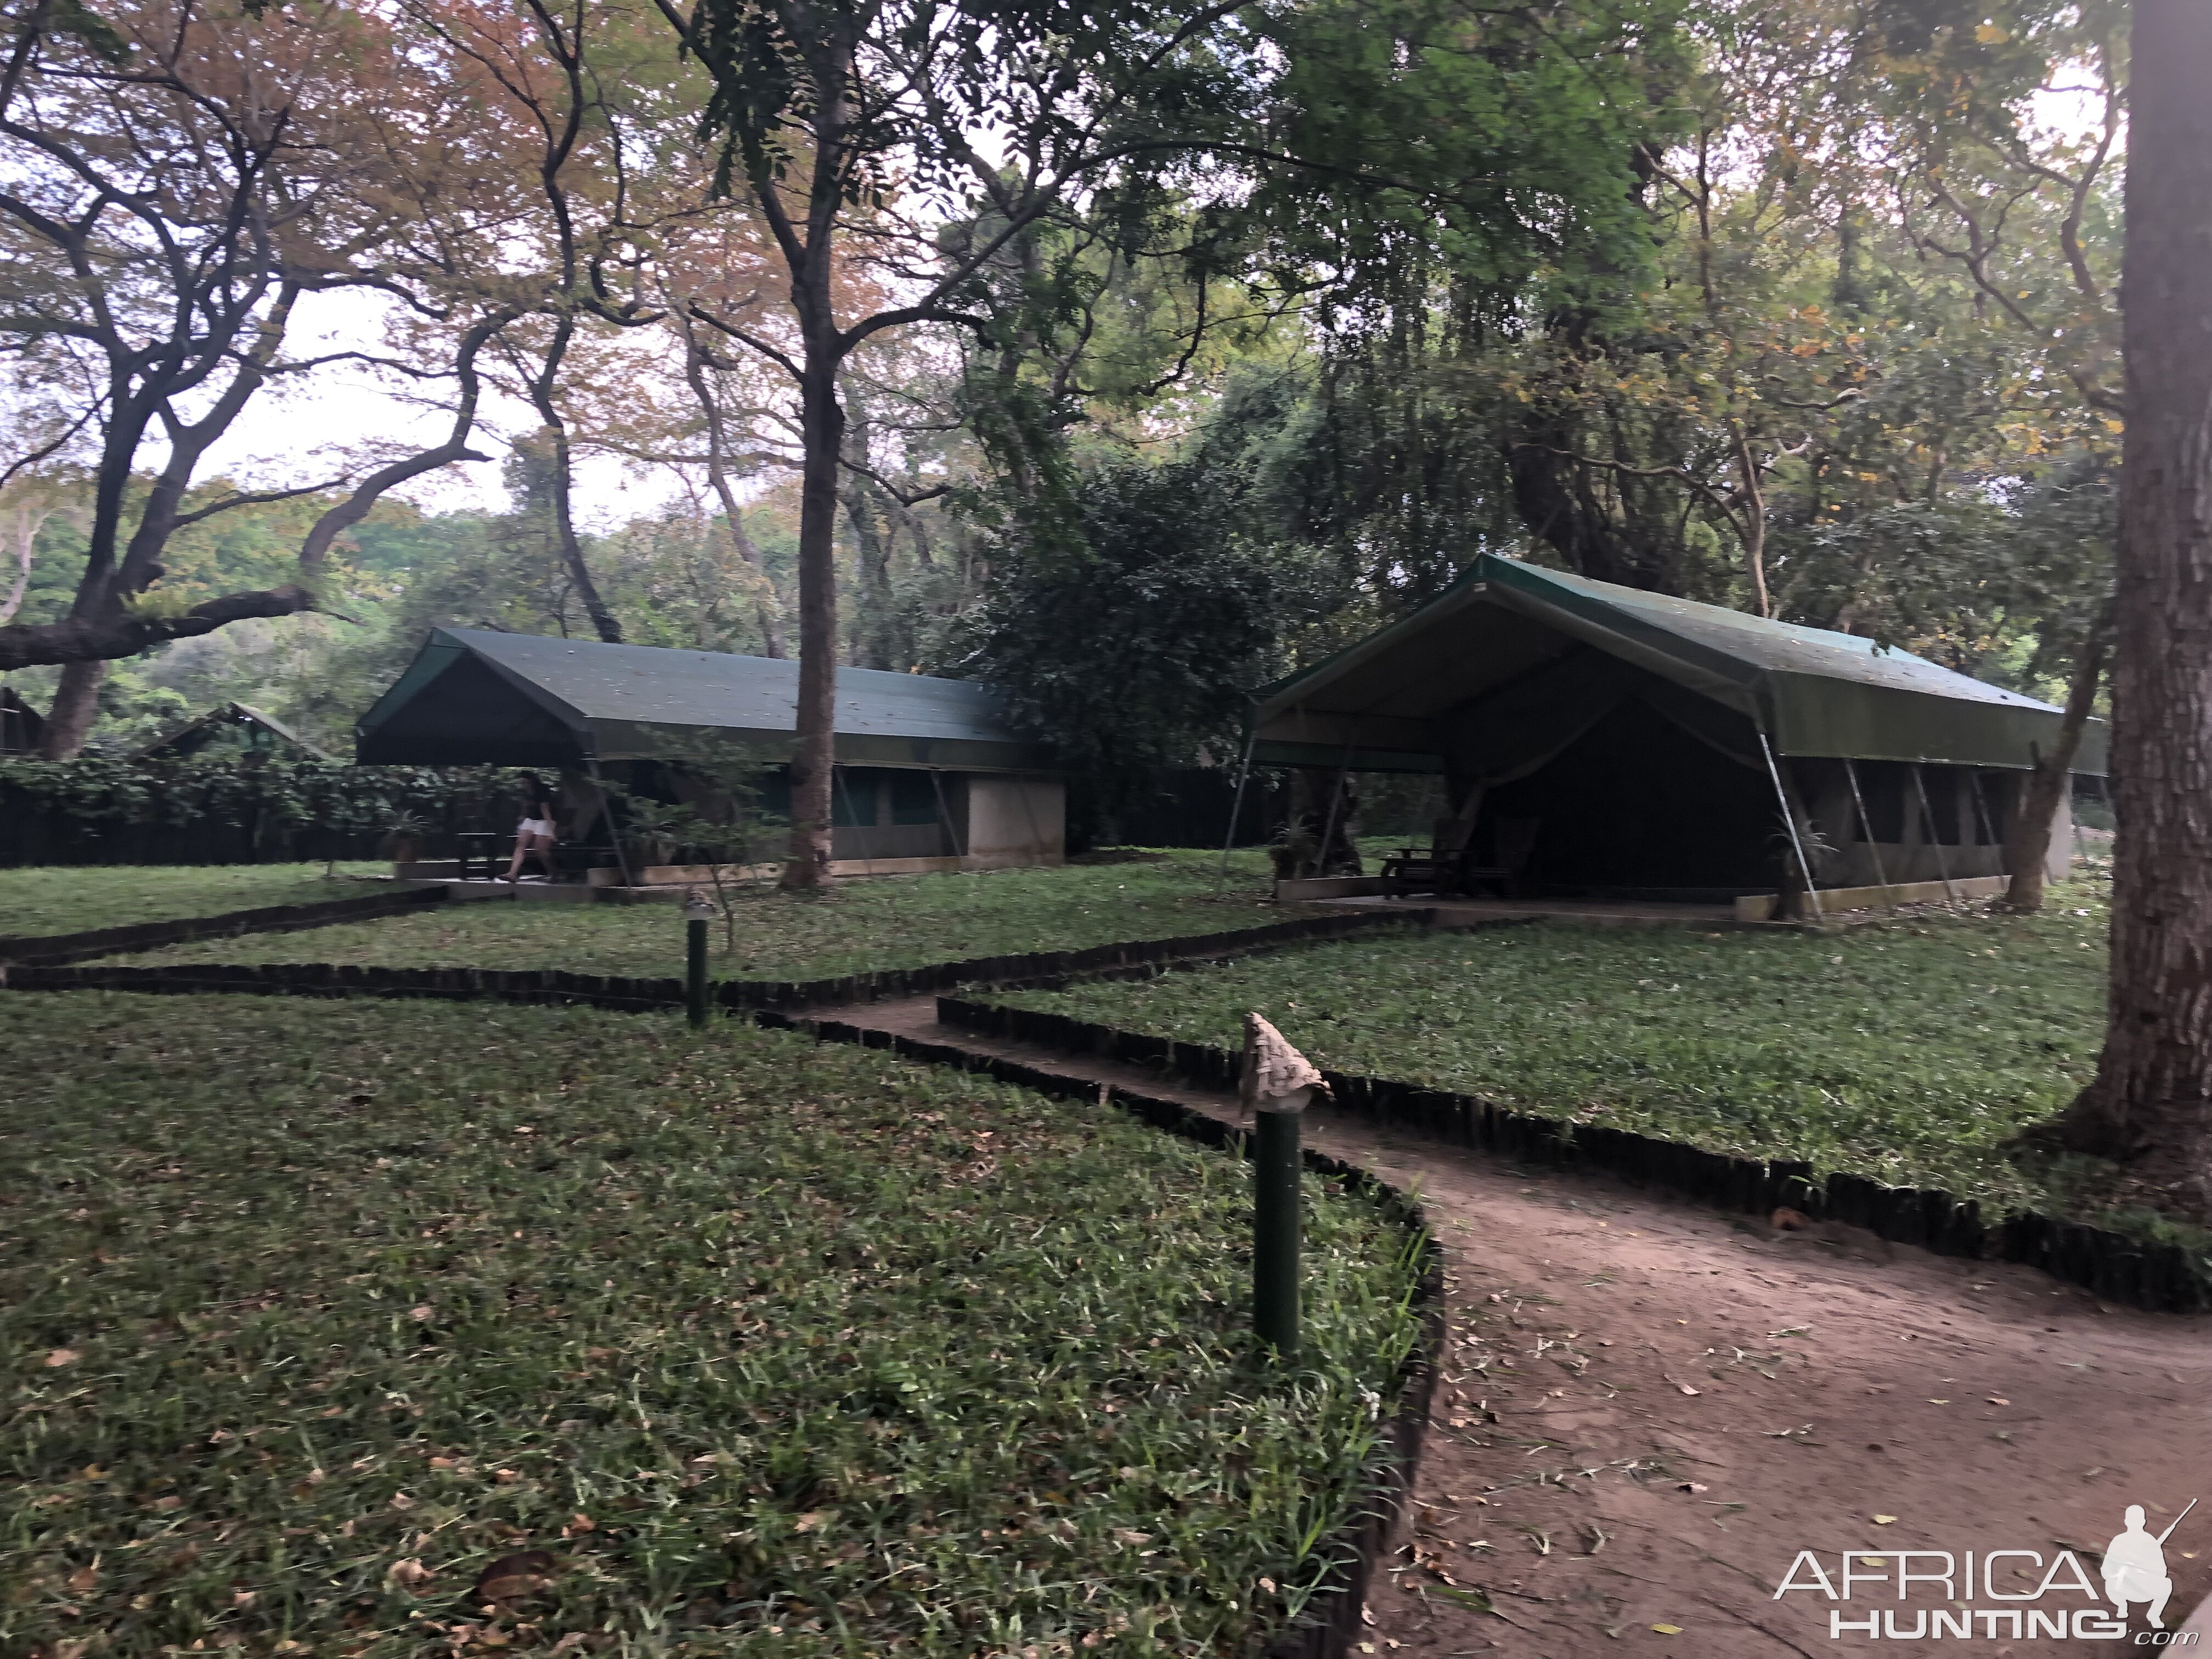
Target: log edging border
[[58, 950], [2158, 1278], [1331, 1627], [552, 985]]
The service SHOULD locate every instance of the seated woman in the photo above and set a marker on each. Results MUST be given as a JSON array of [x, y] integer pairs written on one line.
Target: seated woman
[[533, 834]]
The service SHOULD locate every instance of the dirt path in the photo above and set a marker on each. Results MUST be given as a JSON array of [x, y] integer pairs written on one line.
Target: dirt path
[[1647, 1409]]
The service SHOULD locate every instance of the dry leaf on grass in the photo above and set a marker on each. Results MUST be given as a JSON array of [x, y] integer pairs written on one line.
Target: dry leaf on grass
[[513, 1576], [56, 1358]]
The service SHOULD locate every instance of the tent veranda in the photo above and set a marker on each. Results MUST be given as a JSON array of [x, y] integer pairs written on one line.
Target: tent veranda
[[1623, 737]]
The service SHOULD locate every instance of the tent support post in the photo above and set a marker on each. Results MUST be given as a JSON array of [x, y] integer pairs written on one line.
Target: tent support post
[[1866, 824], [1935, 839], [607, 811], [1989, 836], [1236, 806], [943, 811], [1790, 818], [1335, 800], [845, 789]]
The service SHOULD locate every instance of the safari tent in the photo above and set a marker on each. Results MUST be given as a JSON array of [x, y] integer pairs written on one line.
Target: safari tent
[[231, 731], [930, 773], [1606, 741]]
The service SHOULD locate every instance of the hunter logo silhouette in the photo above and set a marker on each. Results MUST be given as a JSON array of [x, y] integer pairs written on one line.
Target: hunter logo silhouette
[[2134, 1566]]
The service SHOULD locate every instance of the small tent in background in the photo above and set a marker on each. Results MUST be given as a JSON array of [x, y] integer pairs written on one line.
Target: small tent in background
[[230, 730], [21, 727], [1607, 742], [931, 772]]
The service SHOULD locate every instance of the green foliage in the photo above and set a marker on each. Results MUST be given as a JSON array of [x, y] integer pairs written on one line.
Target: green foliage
[[1141, 649], [279, 793], [310, 1312], [1908, 1050], [899, 922]]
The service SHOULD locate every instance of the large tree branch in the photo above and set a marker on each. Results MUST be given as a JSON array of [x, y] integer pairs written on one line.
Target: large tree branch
[[124, 633]]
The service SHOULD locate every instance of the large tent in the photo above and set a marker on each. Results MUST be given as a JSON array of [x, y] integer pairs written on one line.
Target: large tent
[[926, 769], [1620, 740]]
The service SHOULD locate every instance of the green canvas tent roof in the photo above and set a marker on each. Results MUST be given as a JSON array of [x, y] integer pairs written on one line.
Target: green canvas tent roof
[[473, 695], [260, 731], [1382, 704]]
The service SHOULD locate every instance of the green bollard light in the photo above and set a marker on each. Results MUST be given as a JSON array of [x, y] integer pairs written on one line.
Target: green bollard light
[[1277, 1083], [697, 913]]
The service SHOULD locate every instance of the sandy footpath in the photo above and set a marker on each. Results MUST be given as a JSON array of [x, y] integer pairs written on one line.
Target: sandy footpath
[[1649, 1409]]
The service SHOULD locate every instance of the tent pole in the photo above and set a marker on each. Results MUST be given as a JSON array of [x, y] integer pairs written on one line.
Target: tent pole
[[1335, 800], [1790, 818], [607, 811], [1236, 806], [943, 811], [845, 789], [1935, 839], [1991, 837], [1873, 849]]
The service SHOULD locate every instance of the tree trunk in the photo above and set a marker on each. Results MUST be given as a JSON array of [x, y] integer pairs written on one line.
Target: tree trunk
[[572, 548], [562, 468], [76, 705], [2151, 1103], [812, 767], [2027, 843]]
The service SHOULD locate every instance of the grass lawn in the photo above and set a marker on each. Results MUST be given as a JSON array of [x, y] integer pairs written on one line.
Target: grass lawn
[[59, 898], [888, 922], [1904, 1049], [310, 1311]]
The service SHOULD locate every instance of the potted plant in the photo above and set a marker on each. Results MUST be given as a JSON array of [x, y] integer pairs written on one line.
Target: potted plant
[[656, 829], [403, 837]]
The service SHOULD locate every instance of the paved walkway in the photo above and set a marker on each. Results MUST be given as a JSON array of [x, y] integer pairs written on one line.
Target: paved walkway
[[1649, 1409]]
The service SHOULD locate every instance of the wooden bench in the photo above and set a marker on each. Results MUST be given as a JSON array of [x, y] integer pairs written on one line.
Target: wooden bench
[[1439, 870]]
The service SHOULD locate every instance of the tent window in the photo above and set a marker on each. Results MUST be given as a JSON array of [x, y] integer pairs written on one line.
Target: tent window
[[1944, 785], [853, 798], [1884, 785], [913, 798]]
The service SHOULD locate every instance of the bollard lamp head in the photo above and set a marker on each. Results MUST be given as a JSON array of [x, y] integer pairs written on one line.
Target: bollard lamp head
[[695, 907], [1277, 1077]]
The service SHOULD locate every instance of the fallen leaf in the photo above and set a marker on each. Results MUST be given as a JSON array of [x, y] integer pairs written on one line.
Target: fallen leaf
[[1790, 1221], [1999, 1399], [421, 1312], [1689, 1486], [56, 1358], [811, 1521], [1667, 1629], [407, 1572], [1883, 1520], [1687, 1388], [1939, 1402], [514, 1576], [80, 1582]]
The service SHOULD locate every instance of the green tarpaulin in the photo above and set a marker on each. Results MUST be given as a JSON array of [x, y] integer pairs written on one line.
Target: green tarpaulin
[[473, 695], [1512, 662]]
